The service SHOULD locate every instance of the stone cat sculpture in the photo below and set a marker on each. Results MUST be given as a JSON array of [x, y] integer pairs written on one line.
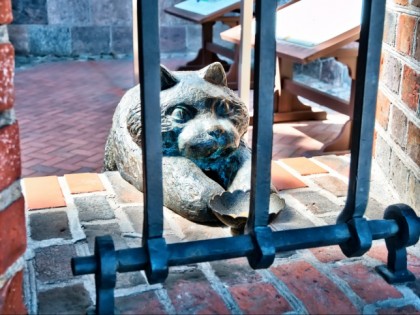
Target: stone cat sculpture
[[204, 153]]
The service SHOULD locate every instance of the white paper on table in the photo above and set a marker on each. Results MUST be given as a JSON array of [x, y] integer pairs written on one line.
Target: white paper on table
[[205, 7], [312, 22]]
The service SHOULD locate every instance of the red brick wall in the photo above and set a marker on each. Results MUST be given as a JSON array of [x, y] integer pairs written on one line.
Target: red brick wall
[[12, 216], [398, 112]]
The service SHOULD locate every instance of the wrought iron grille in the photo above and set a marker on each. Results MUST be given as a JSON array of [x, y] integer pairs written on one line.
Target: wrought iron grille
[[352, 232]]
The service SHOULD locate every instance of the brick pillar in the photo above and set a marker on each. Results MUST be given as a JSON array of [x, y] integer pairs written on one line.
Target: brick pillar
[[12, 216], [398, 112]]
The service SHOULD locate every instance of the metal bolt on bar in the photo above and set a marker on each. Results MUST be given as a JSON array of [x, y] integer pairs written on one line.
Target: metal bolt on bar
[[400, 227]]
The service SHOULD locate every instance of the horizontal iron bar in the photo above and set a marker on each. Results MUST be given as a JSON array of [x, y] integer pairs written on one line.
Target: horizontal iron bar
[[134, 259]]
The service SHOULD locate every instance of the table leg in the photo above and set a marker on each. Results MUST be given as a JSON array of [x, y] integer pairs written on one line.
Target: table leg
[[342, 141], [204, 57], [288, 106]]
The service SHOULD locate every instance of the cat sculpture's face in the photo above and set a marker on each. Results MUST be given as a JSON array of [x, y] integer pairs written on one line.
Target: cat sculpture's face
[[202, 119]]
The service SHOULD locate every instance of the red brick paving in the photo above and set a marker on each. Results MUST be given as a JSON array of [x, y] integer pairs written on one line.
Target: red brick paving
[[324, 297], [65, 111]]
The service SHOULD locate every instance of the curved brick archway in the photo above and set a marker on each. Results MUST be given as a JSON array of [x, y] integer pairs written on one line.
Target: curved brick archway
[[12, 216]]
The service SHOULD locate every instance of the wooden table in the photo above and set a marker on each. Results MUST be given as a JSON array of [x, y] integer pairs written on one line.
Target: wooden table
[[209, 50], [287, 106]]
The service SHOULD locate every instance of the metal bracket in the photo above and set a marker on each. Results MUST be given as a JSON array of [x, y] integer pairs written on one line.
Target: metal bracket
[[157, 268], [360, 240], [105, 274], [264, 251], [408, 234]]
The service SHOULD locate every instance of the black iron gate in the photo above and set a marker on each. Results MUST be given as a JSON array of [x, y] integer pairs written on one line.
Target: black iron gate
[[400, 227]]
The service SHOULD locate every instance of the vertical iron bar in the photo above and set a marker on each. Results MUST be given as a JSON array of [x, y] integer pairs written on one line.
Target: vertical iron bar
[[149, 61], [262, 133], [368, 62]]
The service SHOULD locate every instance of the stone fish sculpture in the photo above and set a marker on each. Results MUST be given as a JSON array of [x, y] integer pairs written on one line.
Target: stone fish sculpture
[[204, 153]]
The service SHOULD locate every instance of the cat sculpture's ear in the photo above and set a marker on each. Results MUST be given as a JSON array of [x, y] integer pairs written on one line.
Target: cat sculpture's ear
[[167, 79], [214, 73]]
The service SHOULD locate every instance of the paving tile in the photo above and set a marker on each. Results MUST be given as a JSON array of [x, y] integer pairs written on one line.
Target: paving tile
[[43, 192], [259, 298], [129, 279], [235, 271], [408, 309], [125, 192], [93, 208], [94, 230], [332, 184], [318, 293], [289, 218], [142, 303], [191, 293], [336, 163], [283, 179], [52, 264], [304, 166], [366, 283], [315, 202], [73, 299], [84, 183], [44, 226]]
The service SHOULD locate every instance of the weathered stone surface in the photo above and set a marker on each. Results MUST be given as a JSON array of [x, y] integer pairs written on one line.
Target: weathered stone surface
[[4, 37], [111, 12], [398, 126], [383, 155], [413, 193], [390, 28], [72, 299], [375, 209], [44, 40], [312, 69], [125, 193], [391, 72], [30, 12], [91, 40], [113, 229], [413, 142], [135, 215], [93, 208], [172, 38], [193, 37], [235, 271], [52, 264], [199, 298], [399, 174], [122, 39], [332, 184], [142, 303], [289, 218], [49, 225], [333, 72], [19, 37], [315, 202], [129, 279], [68, 12]]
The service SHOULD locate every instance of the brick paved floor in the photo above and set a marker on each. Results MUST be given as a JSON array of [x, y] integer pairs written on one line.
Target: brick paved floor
[[308, 281], [65, 111]]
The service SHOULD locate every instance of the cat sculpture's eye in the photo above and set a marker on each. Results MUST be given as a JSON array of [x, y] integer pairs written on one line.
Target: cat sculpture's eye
[[181, 114]]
